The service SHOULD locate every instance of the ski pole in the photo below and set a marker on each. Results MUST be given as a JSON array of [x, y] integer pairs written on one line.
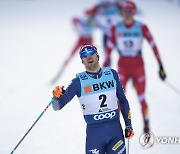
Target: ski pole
[[31, 127], [172, 87], [61, 70], [127, 146], [57, 75]]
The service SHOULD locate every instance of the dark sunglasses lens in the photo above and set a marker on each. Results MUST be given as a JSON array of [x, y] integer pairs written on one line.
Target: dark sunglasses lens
[[86, 52], [83, 54]]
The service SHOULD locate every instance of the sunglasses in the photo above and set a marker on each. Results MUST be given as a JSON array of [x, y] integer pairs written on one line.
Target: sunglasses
[[87, 52]]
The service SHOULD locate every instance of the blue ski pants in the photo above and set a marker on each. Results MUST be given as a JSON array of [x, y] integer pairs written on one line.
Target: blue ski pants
[[105, 138]]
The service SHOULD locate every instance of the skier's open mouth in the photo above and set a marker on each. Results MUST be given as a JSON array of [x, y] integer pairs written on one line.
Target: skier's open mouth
[[90, 61]]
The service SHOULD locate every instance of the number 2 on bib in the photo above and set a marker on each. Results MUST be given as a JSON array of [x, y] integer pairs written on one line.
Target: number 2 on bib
[[103, 98]]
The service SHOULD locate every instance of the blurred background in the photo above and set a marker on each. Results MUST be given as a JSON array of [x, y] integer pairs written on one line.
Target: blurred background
[[37, 36]]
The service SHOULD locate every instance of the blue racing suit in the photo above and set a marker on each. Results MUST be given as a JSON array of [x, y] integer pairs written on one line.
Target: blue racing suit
[[99, 94]]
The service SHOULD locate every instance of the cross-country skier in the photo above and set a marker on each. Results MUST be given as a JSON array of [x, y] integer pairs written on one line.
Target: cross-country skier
[[84, 26], [127, 36], [98, 90], [105, 14]]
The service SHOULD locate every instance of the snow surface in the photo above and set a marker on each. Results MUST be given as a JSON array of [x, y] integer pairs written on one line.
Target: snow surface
[[35, 38]]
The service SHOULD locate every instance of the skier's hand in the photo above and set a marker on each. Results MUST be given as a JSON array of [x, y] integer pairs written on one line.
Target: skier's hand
[[129, 133], [58, 91], [162, 73]]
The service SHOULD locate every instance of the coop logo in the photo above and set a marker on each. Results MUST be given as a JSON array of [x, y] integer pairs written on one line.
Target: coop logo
[[99, 86], [102, 116], [147, 140]]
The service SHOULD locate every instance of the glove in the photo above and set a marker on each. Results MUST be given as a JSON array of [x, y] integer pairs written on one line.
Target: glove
[[129, 133], [162, 74], [58, 91]]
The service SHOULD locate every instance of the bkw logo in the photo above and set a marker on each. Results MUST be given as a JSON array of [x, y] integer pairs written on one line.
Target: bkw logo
[[99, 86], [103, 85]]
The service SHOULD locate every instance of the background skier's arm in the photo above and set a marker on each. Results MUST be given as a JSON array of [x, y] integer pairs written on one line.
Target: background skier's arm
[[149, 37], [109, 47]]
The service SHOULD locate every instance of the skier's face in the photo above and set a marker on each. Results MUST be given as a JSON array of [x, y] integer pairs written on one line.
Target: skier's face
[[128, 13], [91, 62]]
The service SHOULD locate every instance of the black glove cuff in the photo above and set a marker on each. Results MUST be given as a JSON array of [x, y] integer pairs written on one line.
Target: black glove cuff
[[129, 127], [161, 67], [63, 91]]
